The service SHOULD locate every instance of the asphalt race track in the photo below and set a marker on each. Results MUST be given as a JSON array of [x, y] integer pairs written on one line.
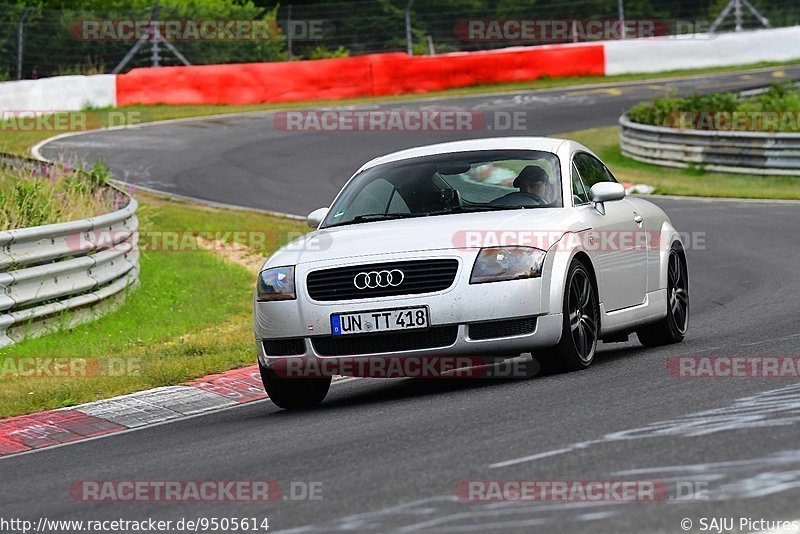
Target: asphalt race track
[[389, 453]]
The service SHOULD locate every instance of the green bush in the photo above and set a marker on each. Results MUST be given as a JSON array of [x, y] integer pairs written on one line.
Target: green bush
[[775, 110], [321, 52]]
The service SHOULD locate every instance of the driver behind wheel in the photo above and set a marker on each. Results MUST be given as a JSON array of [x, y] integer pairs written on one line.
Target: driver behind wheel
[[534, 181]]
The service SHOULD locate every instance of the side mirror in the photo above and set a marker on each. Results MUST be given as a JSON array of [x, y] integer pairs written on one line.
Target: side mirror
[[316, 217], [606, 192]]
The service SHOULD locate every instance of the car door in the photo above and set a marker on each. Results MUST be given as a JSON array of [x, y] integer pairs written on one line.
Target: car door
[[617, 238]]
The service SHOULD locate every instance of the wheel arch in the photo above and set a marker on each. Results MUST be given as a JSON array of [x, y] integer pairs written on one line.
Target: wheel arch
[[671, 239], [560, 257], [584, 258], [679, 248]]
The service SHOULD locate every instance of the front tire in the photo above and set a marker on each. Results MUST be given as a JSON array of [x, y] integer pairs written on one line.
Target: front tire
[[576, 349], [672, 328], [293, 393]]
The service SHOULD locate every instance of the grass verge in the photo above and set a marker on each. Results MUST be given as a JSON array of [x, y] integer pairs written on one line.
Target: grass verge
[[189, 317], [32, 197], [18, 140], [689, 182]]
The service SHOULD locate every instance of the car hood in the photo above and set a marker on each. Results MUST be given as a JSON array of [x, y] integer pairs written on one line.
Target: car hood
[[539, 227]]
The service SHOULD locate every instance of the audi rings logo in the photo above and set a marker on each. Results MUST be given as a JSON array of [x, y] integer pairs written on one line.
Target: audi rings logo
[[376, 279]]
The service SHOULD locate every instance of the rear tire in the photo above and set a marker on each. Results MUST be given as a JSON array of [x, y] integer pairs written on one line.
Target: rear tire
[[672, 328], [575, 351], [293, 393]]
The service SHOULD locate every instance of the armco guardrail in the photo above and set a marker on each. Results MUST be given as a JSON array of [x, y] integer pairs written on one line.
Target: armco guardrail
[[77, 266], [727, 151]]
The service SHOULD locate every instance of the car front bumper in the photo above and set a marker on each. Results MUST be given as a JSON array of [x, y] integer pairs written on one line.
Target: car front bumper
[[306, 322], [546, 333]]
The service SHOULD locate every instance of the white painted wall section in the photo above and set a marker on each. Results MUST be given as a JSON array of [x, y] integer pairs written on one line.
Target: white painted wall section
[[60, 93], [702, 50]]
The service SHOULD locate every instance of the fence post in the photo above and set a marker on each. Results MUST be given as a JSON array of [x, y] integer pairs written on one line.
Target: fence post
[[289, 32], [409, 42], [155, 37], [736, 6], [21, 40], [737, 14], [621, 9]]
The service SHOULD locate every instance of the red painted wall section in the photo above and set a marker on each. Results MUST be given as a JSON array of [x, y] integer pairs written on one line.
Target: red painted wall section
[[246, 83], [401, 74], [334, 79]]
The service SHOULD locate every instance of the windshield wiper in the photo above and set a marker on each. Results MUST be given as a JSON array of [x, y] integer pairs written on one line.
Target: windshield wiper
[[476, 207], [378, 217], [455, 209]]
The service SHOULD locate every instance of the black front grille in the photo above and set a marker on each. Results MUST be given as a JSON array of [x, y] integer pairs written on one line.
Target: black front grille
[[505, 328], [420, 276], [437, 336], [284, 347]]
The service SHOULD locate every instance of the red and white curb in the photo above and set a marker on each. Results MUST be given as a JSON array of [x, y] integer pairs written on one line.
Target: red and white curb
[[26, 433]]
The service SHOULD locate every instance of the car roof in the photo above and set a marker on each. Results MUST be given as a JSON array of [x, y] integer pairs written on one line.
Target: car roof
[[545, 144]]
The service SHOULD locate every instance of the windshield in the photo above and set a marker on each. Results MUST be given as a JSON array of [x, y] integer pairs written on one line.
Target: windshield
[[450, 183]]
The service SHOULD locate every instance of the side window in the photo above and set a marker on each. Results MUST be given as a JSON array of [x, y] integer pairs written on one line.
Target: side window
[[591, 169], [579, 194], [611, 175]]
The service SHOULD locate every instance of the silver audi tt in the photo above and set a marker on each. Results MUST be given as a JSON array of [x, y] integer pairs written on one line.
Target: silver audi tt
[[487, 248]]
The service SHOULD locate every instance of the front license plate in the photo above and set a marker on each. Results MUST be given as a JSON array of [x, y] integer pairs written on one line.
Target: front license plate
[[379, 321]]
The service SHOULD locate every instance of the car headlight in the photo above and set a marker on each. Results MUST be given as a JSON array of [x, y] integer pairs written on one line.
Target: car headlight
[[507, 263], [276, 284]]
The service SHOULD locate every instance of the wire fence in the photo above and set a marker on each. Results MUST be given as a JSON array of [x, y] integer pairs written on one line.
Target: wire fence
[[37, 42]]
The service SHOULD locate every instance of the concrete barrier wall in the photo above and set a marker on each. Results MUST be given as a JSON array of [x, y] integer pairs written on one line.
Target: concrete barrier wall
[[394, 74], [370, 75], [63, 93], [701, 50]]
